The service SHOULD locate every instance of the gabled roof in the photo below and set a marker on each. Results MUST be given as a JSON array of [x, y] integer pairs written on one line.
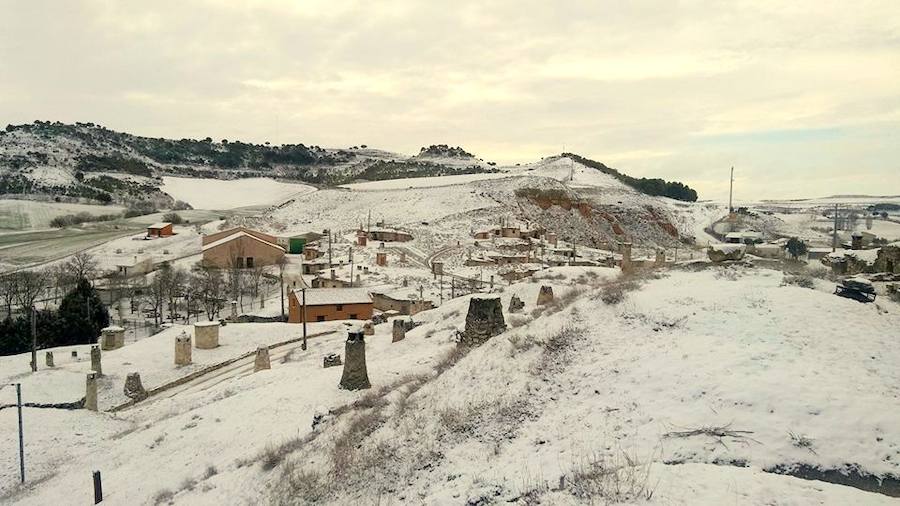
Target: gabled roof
[[329, 296], [161, 224], [238, 235]]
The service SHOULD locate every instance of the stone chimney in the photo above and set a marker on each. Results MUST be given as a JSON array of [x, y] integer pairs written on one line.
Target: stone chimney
[[355, 375], [483, 321]]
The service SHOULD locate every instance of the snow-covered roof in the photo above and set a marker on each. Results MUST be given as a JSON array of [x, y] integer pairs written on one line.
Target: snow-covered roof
[[725, 247], [328, 296], [237, 236], [162, 224]]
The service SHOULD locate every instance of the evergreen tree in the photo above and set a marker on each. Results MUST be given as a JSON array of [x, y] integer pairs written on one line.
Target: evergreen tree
[[81, 315], [796, 247]]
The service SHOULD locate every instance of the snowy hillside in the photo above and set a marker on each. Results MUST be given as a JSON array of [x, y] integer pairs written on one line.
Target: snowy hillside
[[628, 391]]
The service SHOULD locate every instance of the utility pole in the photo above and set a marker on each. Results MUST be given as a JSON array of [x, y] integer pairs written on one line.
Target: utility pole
[[369, 224], [329, 249], [21, 435], [730, 191], [351, 266], [33, 339], [303, 312], [834, 235]]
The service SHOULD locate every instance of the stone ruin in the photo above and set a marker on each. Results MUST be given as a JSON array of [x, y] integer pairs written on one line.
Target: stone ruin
[[355, 375], [369, 328], [90, 391], [206, 335], [660, 257], [398, 332], [96, 366], [183, 349], [49, 358], [331, 360], [134, 389], [725, 252], [112, 338], [262, 359], [483, 321], [516, 304], [545, 296], [402, 325], [627, 266]]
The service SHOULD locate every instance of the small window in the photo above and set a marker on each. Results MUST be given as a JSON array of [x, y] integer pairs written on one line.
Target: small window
[[353, 317], [340, 307], [249, 262], [240, 262], [320, 318]]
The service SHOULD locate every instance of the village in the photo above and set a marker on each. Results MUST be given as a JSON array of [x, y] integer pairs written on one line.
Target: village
[[342, 300]]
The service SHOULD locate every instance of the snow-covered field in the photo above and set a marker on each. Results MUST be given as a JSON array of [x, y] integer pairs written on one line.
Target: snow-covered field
[[29, 214], [801, 376], [219, 194]]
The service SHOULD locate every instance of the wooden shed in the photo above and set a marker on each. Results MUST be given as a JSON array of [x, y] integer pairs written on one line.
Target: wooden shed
[[161, 229]]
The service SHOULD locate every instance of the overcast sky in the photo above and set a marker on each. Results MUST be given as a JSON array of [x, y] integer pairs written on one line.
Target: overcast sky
[[802, 97]]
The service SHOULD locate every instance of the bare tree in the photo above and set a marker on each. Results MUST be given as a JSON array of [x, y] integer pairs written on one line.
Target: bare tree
[[235, 267], [8, 289], [30, 285], [82, 265], [254, 278], [155, 294], [209, 281]]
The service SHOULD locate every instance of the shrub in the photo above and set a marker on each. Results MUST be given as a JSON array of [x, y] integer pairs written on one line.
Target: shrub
[[173, 218], [799, 280], [164, 496]]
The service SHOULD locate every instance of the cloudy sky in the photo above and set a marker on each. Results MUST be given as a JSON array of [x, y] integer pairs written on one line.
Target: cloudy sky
[[802, 97]]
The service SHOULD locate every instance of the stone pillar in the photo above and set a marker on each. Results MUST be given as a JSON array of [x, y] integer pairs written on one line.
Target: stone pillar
[[206, 335], [626, 257], [369, 328], [398, 333], [355, 376], [90, 391], [112, 338], [96, 366], [660, 257], [262, 359], [234, 311], [134, 389], [545, 296], [49, 358], [381, 259], [402, 256], [515, 304], [183, 349], [331, 360], [483, 321]]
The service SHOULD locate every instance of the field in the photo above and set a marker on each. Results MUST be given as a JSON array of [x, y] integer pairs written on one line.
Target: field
[[218, 194], [30, 215]]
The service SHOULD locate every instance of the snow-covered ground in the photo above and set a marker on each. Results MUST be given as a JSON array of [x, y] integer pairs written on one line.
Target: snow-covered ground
[[29, 214], [219, 194], [802, 376]]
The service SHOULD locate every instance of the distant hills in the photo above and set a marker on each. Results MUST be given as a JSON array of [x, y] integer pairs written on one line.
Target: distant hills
[[89, 161]]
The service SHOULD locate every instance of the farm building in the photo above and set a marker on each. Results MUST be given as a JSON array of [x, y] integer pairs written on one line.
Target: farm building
[[162, 229], [401, 304], [240, 247], [314, 266], [389, 235], [136, 266], [295, 244], [327, 304]]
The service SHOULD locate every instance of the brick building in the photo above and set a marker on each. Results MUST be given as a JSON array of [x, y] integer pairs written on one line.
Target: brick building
[[240, 247], [327, 304]]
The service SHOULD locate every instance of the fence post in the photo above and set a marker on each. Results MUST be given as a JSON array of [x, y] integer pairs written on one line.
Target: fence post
[[21, 435], [98, 488]]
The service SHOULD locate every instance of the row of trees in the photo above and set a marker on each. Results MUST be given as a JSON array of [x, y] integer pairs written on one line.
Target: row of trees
[[77, 319]]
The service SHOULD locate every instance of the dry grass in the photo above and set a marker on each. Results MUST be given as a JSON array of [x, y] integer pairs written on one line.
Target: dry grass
[[609, 480], [164, 496], [800, 280]]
